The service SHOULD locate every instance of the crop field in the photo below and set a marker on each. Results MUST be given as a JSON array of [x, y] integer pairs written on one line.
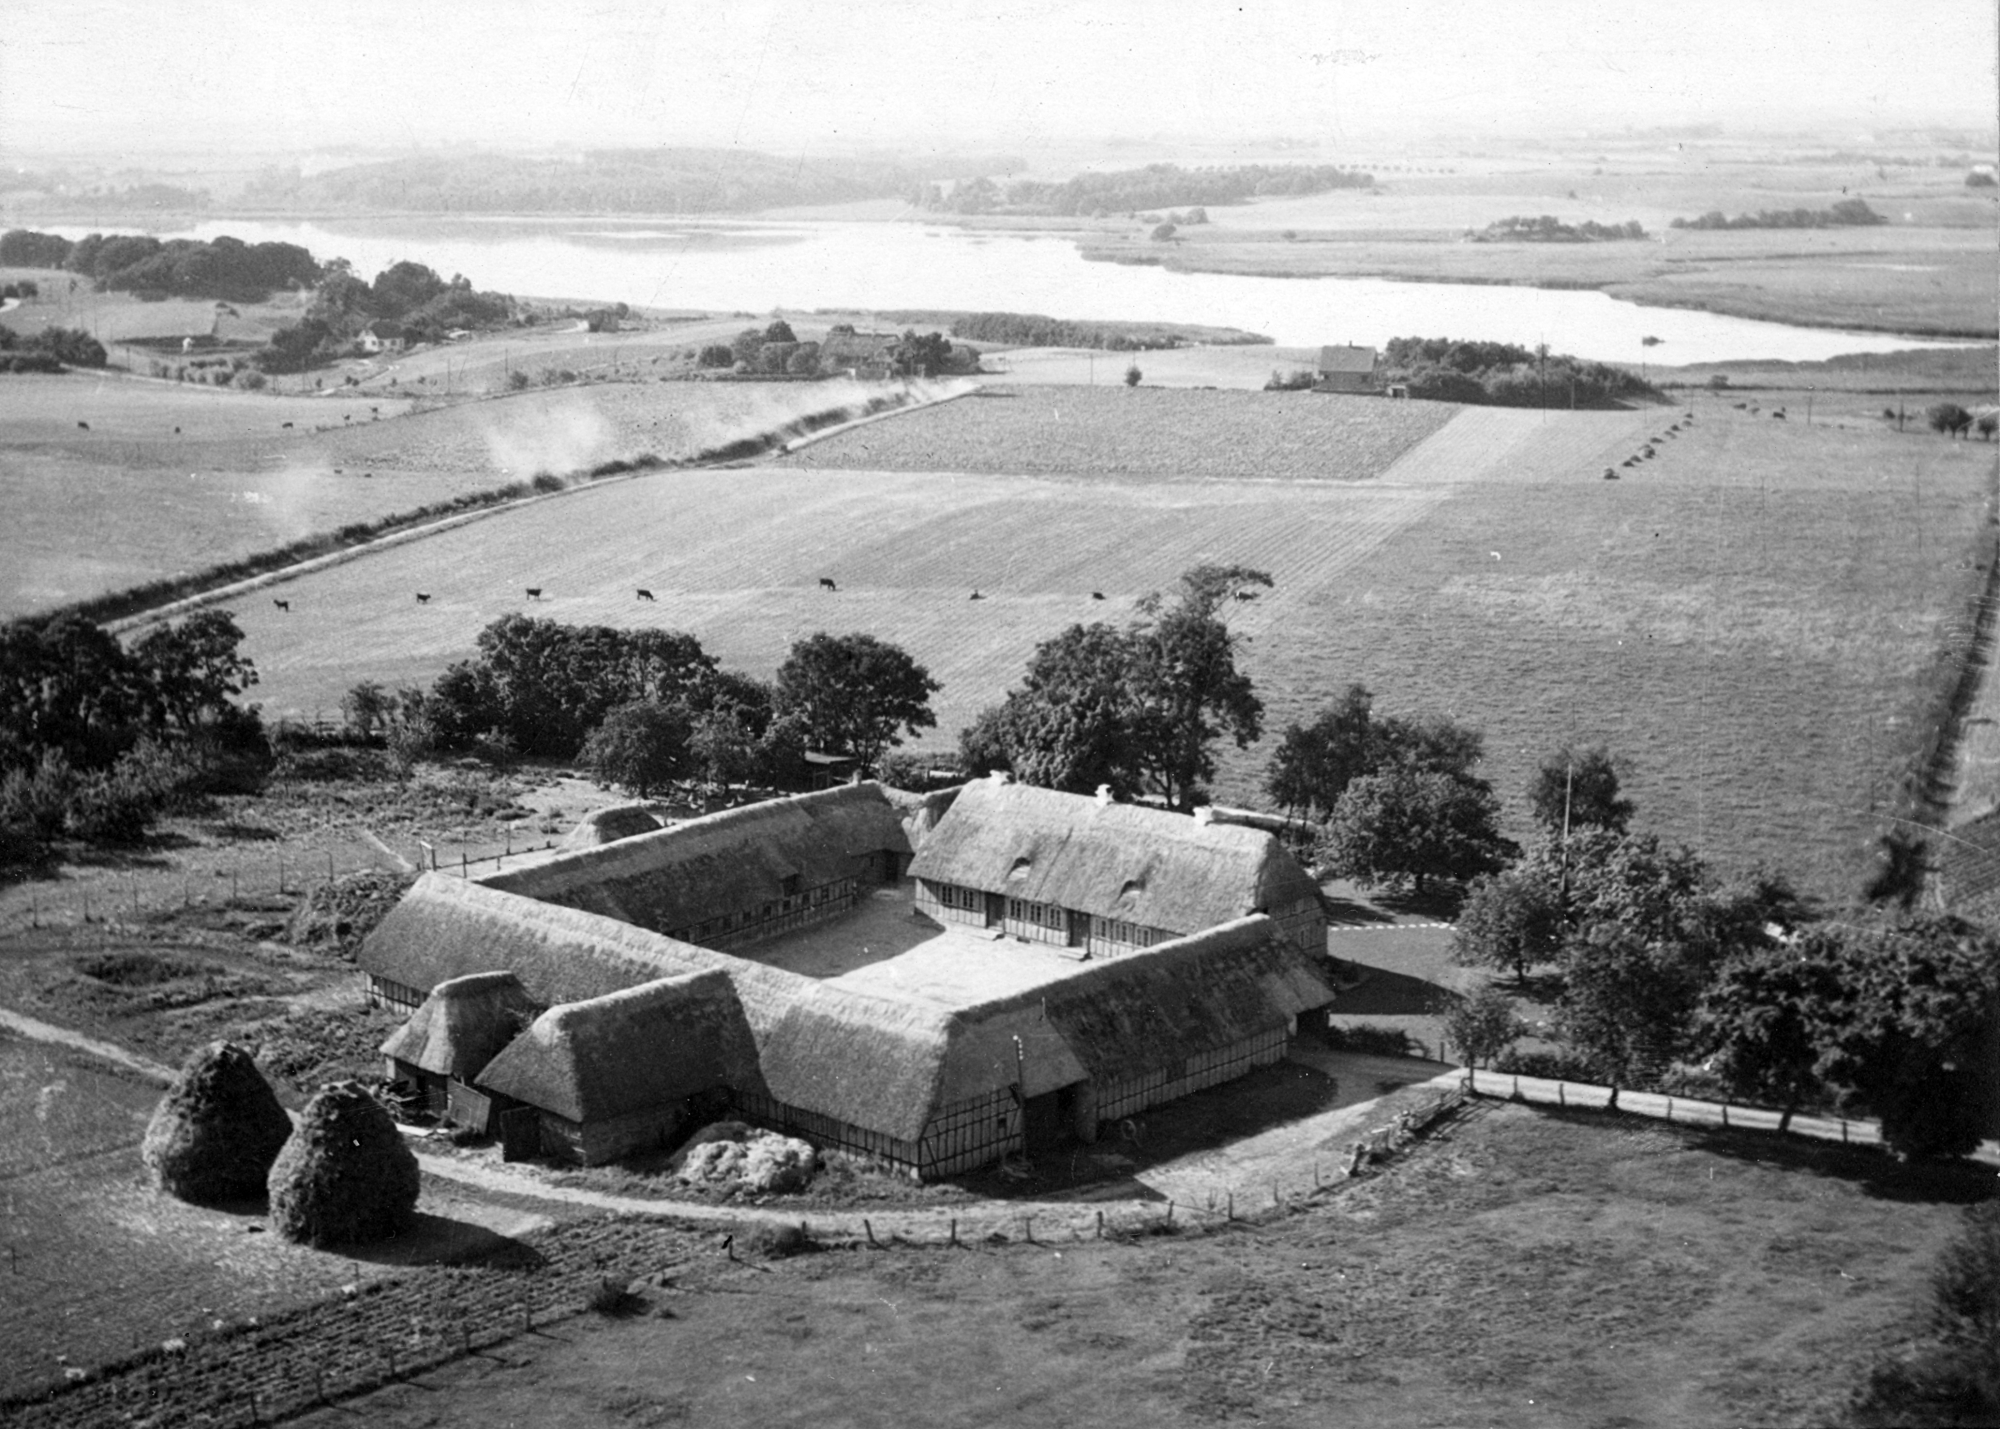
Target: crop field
[[1741, 617], [133, 499], [1245, 367], [1089, 433]]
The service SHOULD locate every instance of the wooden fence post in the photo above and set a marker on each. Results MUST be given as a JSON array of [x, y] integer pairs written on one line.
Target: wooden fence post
[[953, 1240], [869, 1231], [1561, 1099], [1100, 1225]]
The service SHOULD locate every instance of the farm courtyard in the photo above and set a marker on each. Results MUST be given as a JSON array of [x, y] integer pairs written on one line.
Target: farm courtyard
[[1743, 615]]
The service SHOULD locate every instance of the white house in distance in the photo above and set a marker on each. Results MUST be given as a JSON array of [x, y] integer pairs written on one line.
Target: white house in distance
[[1345, 369]]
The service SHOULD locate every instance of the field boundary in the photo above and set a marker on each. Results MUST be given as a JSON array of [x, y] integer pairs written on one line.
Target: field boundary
[[1685, 1111]]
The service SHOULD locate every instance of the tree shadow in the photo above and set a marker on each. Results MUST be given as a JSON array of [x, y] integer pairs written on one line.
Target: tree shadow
[[1438, 902], [1392, 994], [1877, 1171], [1544, 987]]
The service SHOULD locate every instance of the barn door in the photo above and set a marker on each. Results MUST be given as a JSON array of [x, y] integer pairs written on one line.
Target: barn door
[[520, 1134]]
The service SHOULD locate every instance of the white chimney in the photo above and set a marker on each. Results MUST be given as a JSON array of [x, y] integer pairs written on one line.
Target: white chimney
[[1103, 796], [1204, 814]]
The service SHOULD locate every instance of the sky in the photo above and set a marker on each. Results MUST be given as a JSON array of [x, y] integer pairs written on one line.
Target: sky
[[175, 76]]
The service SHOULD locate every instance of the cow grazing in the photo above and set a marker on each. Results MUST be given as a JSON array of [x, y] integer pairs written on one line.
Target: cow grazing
[[1779, 415], [281, 604], [285, 425], [83, 426], [423, 597], [645, 594], [1246, 595], [534, 592], [826, 583], [1097, 595]]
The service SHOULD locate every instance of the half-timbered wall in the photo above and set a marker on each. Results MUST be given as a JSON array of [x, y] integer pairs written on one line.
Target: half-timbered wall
[[1036, 922], [1128, 1096], [775, 917], [951, 903]]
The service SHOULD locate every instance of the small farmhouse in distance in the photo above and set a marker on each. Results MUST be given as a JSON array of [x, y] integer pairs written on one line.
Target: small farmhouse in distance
[[780, 963], [1345, 369]]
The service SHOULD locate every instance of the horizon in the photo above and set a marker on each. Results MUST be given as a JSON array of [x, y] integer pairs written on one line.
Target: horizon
[[109, 79]]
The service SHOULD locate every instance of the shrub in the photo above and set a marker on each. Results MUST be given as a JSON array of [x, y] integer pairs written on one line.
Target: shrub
[[517, 380], [345, 1177], [216, 1133], [717, 354], [1133, 376], [111, 807]]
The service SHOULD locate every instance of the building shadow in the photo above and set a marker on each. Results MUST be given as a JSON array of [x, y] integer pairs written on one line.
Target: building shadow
[[1392, 994], [1206, 1121]]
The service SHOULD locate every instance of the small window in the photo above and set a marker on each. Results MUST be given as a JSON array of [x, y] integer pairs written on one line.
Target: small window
[[789, 885]]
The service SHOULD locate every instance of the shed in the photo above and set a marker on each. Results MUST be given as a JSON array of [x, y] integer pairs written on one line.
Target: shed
[[626, 1071], [461, 1026]]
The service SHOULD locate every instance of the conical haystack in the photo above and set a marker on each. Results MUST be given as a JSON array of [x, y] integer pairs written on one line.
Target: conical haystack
[[345, 1176], [215, 1134]]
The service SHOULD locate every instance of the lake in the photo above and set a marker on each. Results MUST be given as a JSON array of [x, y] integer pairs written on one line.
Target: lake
[[754, 267]]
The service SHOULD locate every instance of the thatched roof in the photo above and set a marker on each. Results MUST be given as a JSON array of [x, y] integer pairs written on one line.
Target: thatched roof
[[631, 1051], [463, 1024], [609, 824], [447, 927], [732, 862], [890, 1065], [1124, 861]]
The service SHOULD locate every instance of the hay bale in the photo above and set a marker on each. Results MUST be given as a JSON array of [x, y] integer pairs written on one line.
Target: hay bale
[[216, 1132], [345, 1176]]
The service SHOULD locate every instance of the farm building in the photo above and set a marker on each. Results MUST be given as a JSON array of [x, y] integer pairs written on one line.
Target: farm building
[[1345, 369], [1101, 876], [625, 1071], [947, 1049], [869, 356], [463, 1025]]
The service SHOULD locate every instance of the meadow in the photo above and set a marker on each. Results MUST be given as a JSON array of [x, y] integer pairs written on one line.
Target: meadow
[[1524, 1268], [1742, 617], [171, 478]]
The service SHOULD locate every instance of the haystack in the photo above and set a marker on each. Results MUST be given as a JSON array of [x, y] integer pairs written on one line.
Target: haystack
[[345, 1177], [215, 1134]]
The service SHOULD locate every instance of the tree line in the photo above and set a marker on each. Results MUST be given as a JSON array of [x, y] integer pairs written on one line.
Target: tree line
[[1131, 190], [224, 268], [1549, 229], [51, 350], [1848, 213], [657, 180], [1501, 374]]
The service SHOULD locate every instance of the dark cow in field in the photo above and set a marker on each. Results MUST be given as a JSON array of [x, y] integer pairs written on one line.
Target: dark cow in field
[[423, 597], [645, 594], [977, 596], [826, 583], [1097, 595], [281, 604], [83, 426], [534, 592]]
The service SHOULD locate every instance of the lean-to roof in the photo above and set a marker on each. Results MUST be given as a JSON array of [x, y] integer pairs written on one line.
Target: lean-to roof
[[463, 1024]]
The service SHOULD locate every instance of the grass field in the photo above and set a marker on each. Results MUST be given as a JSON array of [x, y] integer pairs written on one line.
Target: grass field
[[132, 499], [1112, 431], [1525, 1269]]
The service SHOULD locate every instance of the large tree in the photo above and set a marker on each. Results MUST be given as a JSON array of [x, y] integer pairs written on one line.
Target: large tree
[[1139, 709], [640, 746], [1316, 762], [1577, 789], [1412, 823], [854, 694], [194, 669], [1512, 921]]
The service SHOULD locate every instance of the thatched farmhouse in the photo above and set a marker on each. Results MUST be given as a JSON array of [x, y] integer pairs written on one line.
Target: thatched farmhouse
[[840, 1011], [464, 1024], [1105, 877]]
